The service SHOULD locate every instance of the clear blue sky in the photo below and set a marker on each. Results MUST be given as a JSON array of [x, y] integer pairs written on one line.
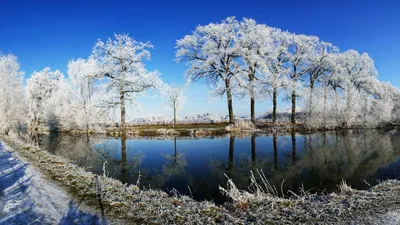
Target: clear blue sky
[[50, 33]]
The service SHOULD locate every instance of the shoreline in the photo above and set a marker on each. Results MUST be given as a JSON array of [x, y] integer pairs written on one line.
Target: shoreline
[[201, 130], [128, 202]]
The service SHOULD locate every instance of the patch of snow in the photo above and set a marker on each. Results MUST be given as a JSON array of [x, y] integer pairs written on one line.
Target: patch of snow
[[27, 198]]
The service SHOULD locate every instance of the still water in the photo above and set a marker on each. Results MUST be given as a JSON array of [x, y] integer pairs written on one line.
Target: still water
[[315, 162]]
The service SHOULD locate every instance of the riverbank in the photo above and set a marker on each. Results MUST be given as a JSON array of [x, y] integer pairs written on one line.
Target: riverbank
[[377, 205], [212, 129]]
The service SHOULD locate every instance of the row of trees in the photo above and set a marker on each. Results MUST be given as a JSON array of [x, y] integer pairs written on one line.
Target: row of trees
[[245, 58], [113, 77], [237, 58]]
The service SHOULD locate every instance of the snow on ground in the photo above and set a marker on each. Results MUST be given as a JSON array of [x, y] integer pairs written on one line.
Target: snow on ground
[[27, 198], [391, 218]]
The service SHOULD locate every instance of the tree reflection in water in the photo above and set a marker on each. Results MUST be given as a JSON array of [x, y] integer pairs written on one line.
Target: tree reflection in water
[[175, 163], [275, 144], [293, 134], [118, 164], [317, 161]]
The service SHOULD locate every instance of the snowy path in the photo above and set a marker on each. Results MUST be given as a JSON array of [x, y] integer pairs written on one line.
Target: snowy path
[[26, 198]]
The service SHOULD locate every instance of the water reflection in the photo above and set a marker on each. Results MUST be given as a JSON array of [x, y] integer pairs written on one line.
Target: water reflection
[[275, 144], [123, 155], [175, 163], [253, 149], [293, 134], [316, 161], [231, 151]]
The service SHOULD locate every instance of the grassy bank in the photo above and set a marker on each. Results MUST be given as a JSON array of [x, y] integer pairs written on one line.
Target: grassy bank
[[208, 129], [202, 129], [258, 206]]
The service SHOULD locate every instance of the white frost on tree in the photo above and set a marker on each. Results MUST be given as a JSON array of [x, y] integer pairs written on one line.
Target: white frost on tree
[[275, 68], [40, 88], [212, 54], [175, 99], [254, 41], [12, 111], [85, 93], [120, 61], [300, 49], [358, 76]]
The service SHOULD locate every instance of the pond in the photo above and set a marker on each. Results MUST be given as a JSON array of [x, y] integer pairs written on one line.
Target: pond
[[314, 162]]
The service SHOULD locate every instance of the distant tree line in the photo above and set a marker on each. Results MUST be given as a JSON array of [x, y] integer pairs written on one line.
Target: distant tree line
[[240, 59]]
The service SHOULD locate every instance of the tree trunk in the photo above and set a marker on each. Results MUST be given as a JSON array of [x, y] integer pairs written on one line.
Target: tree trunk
[[325, 103], [274, 96], [348, 112], [311, 103], [87, 128], [252, 111], [293, 119], [122, 101], [174, 116], [229, 98], [252, 98], [336, 106], [312, 81], [294, 80]]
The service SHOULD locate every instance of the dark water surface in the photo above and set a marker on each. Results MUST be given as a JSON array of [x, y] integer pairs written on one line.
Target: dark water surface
[[316, 162]]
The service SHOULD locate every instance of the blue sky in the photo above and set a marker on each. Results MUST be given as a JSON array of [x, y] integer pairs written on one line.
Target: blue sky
[[50, 33]]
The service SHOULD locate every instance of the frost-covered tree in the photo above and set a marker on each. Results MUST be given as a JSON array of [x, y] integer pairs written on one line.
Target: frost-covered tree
[[175, 99], [58, 111], [40, 87], [11, 92], [300, 49], [357, 74], [321, 62], [212, 55], [358, 69], [85, 92], [120, 61], [384, 105], [396, 106], [321, 68], [275, 68], [253, 40]]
